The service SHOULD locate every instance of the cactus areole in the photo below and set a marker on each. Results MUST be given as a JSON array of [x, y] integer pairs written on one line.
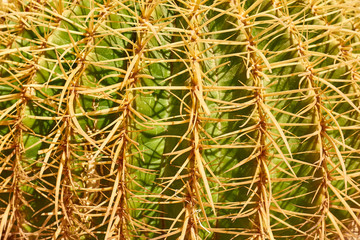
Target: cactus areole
[[180, 119]]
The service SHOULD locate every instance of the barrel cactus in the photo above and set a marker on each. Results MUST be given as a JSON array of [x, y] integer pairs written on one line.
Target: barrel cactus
[[179, 119]]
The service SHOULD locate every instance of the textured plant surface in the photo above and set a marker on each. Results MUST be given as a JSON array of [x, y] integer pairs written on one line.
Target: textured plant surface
[[179, 119]]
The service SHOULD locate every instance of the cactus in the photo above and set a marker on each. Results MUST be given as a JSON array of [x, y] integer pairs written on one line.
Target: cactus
[[170, 119]]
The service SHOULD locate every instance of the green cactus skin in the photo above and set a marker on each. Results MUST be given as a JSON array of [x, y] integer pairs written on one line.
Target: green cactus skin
[[171, 119]]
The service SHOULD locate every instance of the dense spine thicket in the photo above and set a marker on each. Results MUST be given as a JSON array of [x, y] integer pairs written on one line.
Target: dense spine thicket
[[164, 119]]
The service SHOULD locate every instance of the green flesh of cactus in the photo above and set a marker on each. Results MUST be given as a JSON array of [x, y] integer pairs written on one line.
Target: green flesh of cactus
[[181, 120]]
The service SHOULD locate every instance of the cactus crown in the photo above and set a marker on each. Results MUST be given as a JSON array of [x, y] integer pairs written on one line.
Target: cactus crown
[[179, 119]]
